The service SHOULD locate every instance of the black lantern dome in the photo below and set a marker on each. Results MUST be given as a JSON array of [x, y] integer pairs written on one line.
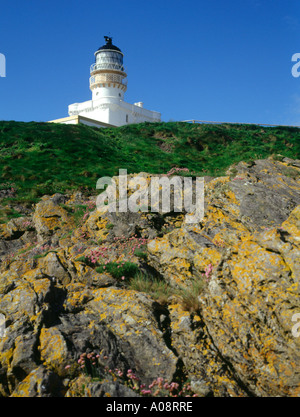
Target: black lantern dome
[[109, 45], [109, 57]]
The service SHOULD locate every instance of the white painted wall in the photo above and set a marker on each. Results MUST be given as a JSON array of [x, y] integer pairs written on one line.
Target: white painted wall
[[107, 92], [113, 111]]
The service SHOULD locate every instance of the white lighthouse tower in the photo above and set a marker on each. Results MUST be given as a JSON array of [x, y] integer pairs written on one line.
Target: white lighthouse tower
[[108, 83], [108, 78]]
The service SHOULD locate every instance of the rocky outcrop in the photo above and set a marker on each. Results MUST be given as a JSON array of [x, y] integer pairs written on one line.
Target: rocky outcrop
[[222, 321]]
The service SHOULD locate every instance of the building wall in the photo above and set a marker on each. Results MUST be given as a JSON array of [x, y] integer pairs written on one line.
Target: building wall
[[75, 120], [107, 92], [113, 111]]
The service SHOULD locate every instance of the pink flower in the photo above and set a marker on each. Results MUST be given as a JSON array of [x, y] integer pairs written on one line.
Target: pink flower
[[145, 391], [174, 385], [208, 270]]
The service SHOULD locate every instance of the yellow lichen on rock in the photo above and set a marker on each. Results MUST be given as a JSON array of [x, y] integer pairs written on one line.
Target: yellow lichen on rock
[[53, 350]]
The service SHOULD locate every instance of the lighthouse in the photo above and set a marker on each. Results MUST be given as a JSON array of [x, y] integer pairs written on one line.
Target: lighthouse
[[108, 84], [108, 78]]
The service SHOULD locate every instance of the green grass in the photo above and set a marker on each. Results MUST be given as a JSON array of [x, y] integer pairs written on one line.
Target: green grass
[[44, 158], [126, 270], [159, 290], [141, 254], [7, 213]]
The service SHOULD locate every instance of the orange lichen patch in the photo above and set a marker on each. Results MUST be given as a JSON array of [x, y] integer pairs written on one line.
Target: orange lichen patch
[[205, 257], [220, 189], [199, 350], [53, 349], [96, 225], [292, 260], [51, 215], [78, 295], [50, 218], [19, 302], [232, 197], [4, 232], [218, 217], [31, 274], [177, 312], [220, 239], [292, 224], [255, 265], [158, 245], [211, 185], [41, 286], [119, 299], [171, 245], [24, 388], [6, 357], [33, 385], [8, 280], [174, 251], [81, 268]]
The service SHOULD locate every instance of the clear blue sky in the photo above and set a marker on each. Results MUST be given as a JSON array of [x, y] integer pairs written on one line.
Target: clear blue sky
[[209, 60]]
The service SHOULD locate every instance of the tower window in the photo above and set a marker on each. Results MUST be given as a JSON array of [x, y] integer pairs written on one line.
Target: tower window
[[126, 118]]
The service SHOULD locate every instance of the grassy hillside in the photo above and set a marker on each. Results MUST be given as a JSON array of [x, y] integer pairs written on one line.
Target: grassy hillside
[[43, 158]]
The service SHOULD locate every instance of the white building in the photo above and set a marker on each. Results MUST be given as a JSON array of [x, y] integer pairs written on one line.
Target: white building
[[108, 83]]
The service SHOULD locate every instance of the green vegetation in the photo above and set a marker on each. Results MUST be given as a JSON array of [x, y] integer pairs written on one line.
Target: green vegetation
[[141, 254], [190, 297], [158, 289], [44, 158], [161, 291], [119, 271], [7, 214]]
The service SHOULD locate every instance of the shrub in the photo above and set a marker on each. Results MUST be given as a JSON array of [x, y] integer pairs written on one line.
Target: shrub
[[119, 270], [159, 290], [140, 254], [190, 297]]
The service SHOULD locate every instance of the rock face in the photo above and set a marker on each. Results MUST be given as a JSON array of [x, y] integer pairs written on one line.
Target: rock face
[[224, 320]]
